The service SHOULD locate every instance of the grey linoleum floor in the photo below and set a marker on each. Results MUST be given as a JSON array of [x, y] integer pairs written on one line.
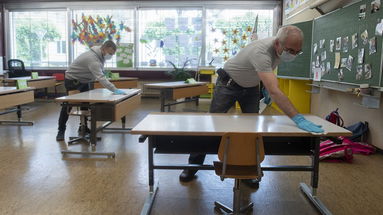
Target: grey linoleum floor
[[36, 179]]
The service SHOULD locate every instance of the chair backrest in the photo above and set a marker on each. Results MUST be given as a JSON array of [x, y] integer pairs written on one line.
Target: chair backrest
[[16, 68], [15, 64], [245, 149], [59, 76]]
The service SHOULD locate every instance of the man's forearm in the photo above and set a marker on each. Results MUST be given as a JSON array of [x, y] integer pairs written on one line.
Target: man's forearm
[[284, 103]]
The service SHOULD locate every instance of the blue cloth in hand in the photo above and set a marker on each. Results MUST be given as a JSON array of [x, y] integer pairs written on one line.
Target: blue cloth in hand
[[266, 96], [119, 92], [306, 125]]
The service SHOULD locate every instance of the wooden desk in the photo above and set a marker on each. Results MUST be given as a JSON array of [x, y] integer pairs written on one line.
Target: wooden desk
[[12, 97], [177, 90], [123, 82], [42, 82], [184, 133], [104, 106]]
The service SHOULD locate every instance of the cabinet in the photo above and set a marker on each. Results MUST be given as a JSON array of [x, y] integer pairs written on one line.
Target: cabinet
[[207, 74]]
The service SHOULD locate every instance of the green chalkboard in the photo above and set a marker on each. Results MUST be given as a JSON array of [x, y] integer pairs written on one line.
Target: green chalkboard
[[341, 25], [300, 67]]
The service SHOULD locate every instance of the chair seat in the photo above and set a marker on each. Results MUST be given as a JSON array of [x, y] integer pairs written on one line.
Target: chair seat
[[236, 171]]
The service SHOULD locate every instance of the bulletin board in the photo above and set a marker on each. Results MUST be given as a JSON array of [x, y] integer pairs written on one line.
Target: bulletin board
[[345, 29]]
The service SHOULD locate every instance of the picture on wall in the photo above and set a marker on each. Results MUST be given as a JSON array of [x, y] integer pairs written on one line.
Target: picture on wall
[[359, 72], [362, 11], [367, 71], [338, 43], [354, 41], [124, 55], [372, 45], [375, 6]]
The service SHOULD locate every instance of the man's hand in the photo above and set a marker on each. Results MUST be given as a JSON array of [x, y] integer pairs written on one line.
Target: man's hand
[[266, 96], [306, 125], [119, 92]]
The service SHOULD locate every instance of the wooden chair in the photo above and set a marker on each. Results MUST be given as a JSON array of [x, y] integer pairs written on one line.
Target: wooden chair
[[240, 155]]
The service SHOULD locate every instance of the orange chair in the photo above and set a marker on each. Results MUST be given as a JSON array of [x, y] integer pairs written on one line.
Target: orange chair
[[240, 156]]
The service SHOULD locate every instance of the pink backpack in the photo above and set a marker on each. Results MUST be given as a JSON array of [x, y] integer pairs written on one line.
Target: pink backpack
[[333, 152]]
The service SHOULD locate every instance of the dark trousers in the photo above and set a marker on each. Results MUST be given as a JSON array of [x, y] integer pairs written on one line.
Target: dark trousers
[[70, 85], [226, 93]]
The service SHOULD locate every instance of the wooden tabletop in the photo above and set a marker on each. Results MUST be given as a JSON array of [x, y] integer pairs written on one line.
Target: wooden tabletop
[[29, 78], [175, 84], [99, 96], [208, 124], [7, 90]]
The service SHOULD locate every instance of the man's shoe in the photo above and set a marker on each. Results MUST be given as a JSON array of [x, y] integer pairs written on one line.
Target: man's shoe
[[252, 183], [60, 136], [187, 175]]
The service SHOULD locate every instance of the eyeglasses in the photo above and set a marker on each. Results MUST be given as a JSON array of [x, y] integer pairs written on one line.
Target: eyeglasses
[[292, 51]]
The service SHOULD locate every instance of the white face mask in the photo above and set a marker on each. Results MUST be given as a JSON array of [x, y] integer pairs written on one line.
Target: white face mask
[[108, 57], [286, 56]]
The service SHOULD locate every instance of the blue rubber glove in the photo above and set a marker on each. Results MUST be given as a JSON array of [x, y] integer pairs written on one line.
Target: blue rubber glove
[[119, 92], [266, 96], [306, 125]]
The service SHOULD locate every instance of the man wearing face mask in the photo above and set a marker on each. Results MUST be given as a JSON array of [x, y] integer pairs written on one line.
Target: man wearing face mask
[[86, 68], [240, 78]]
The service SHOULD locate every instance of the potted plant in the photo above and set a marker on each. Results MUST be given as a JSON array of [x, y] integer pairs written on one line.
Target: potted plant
[[180, 74]]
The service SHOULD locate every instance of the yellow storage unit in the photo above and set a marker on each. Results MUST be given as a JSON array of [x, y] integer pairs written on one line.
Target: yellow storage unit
[[298, 91], [210, 71]]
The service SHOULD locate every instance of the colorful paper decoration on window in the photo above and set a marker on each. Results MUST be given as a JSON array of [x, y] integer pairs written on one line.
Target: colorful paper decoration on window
[[89, 31]]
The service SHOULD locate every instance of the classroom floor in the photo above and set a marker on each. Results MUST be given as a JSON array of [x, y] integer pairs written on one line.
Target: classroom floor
[[36, 179]]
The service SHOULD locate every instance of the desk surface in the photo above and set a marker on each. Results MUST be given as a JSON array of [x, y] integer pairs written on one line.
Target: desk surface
[[175, 84], [28, 78], [99, 95], [207, 124], [6, 90]]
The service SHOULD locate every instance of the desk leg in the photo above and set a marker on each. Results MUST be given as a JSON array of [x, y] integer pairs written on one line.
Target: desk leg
[[93, 124], [197, 100], [152, 189], [162, 97], [150, 161], [123, 121], [93, 138], [19, 115], [312, 192]]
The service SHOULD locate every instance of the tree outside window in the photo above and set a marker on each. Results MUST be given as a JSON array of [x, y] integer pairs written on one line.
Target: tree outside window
[[33, 36], [170, 36]]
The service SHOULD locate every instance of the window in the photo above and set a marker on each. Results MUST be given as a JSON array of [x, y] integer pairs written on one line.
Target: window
[[93, 27], [169, 35], [229, 30], [187, 33], [34, 36]]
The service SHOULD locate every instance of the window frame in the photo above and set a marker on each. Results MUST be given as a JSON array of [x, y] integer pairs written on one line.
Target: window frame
[[69, 7]]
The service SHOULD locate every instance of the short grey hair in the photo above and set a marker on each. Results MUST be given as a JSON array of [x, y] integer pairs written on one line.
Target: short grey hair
[[109, 44], [285, 31]]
